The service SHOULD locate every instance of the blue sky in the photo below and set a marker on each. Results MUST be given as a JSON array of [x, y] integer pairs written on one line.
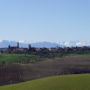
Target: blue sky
[[45, 20]]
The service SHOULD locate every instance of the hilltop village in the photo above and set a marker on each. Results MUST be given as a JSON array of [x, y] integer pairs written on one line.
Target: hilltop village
[[43, 51]]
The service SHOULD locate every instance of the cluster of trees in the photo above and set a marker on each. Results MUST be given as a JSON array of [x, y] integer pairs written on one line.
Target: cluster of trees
[[58, 51]]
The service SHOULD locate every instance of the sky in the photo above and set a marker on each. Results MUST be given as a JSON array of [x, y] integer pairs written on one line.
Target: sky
[[45, 20]]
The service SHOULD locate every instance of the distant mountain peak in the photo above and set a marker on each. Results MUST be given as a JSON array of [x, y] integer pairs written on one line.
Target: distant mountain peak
[[24, 43]]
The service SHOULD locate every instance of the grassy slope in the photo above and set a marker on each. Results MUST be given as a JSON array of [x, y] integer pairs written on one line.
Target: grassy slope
[[15, 58], [66, 82]]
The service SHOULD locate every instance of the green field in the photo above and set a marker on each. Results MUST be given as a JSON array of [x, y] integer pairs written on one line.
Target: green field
[[29, 58], [17, 58], [64, 82]]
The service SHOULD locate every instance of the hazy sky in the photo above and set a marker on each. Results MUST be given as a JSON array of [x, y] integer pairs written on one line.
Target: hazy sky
[[45, 20]]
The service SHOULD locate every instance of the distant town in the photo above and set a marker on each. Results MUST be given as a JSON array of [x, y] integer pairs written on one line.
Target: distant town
[[43, 51]]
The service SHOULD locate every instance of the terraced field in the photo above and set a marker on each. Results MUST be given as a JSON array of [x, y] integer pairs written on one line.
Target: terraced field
[[64, 82]]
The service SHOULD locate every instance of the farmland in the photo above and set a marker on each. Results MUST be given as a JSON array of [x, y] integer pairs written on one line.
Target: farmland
[[63, 82], [17, 58], [21, 72], [31, 58]]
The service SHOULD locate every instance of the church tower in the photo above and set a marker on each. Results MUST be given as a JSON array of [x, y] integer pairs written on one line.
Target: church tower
[[29, 46], [17, 44]]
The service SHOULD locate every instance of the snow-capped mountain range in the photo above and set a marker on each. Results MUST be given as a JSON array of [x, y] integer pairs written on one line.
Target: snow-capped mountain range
[[5, 43]]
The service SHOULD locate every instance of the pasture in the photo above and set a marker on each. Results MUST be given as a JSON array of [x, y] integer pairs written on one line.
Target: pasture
[[63, 82]]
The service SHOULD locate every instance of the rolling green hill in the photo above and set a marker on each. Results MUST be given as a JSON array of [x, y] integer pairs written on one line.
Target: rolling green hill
[[64, 82]]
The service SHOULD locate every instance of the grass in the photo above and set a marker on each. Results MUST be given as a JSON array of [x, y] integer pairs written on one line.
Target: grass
[[78, 54], [30, 58], [64, 82], [17, 58]]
